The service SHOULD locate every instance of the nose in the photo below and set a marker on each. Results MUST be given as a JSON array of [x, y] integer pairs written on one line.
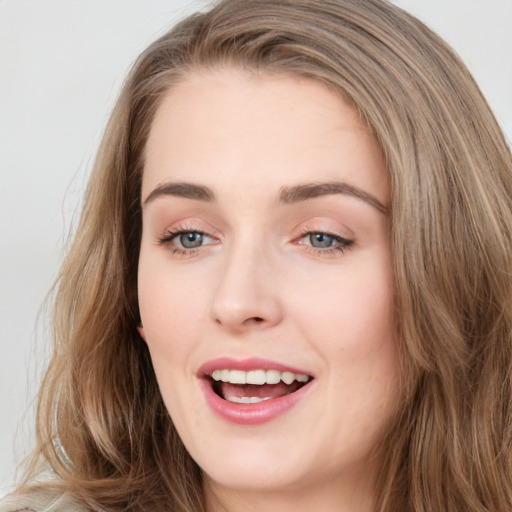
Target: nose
[[247, 295]]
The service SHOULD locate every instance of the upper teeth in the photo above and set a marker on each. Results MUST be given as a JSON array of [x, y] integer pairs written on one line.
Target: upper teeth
[[259, 377]]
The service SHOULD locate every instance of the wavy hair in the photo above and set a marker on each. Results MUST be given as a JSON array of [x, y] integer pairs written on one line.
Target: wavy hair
[[102, 427]]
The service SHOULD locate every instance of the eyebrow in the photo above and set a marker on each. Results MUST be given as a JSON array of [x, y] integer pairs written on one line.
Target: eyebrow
[[295, 194], [287, 195], [186, 190]]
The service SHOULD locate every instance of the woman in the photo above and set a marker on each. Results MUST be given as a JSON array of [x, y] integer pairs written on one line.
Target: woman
[[290, 285]]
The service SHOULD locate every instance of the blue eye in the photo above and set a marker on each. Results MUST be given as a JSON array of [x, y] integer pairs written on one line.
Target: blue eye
[[186, 241], [321, 240], [190, 240], [324, 243]]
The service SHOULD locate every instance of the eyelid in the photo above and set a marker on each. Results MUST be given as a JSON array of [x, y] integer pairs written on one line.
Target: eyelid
[[172, 233], [339, 238], [326, 225], [167, 238], [188, 224], [343, 241]]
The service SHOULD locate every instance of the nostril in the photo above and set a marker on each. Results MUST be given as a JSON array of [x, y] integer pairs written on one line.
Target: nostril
[[254, 320]]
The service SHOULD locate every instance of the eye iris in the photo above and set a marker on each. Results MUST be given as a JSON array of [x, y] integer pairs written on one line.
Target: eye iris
[[321, 240], [191, 240]]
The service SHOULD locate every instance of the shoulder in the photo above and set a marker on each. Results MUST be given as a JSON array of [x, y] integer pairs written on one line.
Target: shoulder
[[41, 501]]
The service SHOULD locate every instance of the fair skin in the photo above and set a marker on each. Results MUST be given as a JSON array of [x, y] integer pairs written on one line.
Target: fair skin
[[241, 263]]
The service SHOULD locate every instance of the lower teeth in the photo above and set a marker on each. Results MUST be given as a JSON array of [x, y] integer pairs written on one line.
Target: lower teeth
[[247, 399]]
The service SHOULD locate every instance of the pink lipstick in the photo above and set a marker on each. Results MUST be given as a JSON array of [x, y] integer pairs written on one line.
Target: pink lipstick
[[252, 391]]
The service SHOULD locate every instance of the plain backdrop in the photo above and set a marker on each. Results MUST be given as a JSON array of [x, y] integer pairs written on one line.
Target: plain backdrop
[[62, 63]]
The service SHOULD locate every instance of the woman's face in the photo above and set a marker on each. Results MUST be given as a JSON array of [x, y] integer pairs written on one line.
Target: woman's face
[[265, 263]]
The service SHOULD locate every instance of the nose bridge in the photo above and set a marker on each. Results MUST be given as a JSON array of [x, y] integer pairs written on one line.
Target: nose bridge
[[246, 294]]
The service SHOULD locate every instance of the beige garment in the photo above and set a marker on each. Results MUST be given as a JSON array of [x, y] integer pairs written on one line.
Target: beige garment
[[40, 502]]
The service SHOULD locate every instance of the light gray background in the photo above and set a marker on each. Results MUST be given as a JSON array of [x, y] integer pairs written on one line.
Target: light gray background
[[61, 65]]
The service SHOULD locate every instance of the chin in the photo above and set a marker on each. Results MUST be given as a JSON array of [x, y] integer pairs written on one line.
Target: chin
[[261, 478]]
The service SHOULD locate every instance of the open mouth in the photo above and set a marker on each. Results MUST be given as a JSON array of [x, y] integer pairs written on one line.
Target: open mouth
[[255, 386]]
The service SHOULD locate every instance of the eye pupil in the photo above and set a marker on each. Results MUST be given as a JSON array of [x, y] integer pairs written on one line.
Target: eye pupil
[[321, 240], [191, 240]]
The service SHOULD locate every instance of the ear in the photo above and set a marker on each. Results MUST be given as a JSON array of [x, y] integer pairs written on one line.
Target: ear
[[140, 329]]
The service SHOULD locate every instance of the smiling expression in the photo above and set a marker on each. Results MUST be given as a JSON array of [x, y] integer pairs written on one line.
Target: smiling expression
[[265, 283]]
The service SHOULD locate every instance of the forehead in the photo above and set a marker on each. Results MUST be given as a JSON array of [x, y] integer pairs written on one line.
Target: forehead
[[235, 123]]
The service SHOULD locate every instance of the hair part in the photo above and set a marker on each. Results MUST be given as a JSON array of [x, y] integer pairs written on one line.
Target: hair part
[[102, 426]]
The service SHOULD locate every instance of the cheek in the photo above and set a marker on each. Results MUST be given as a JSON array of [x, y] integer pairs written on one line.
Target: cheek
[[167, 314], [171, 301], [354, 305], [350, 321], [162, 315]]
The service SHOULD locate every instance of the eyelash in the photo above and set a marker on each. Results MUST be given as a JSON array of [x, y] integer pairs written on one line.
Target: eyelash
[[344, 244], [172, 234]]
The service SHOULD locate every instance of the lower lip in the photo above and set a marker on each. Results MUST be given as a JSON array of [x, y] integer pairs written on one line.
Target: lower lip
[[251, 414]]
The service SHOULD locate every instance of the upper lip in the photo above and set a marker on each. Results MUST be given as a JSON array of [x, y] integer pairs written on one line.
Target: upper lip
[[253, 363]]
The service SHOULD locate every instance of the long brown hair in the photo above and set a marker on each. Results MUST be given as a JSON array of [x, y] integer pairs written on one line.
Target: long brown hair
[[102, 428]]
